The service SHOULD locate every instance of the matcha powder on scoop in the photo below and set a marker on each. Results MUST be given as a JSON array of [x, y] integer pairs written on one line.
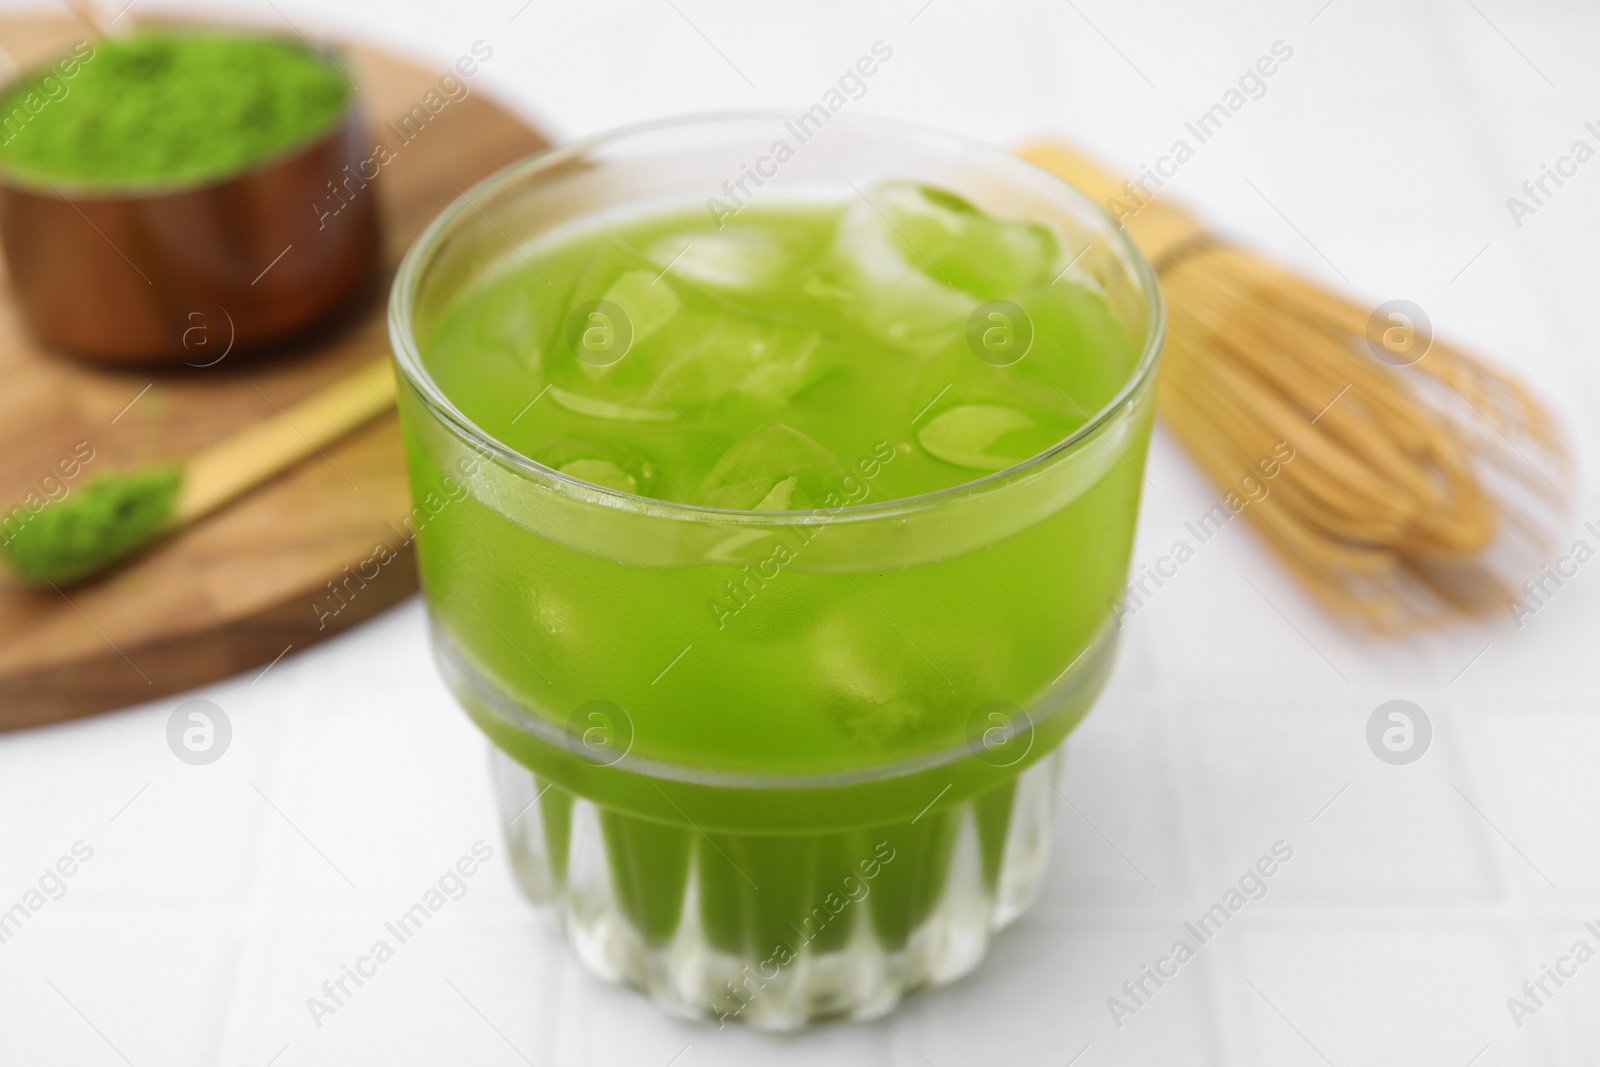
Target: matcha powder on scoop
[[117, 514], [171, 107], [79, 535]]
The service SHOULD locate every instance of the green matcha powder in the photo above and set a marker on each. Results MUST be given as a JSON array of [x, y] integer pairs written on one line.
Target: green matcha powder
[[109, 518], [168, 108]]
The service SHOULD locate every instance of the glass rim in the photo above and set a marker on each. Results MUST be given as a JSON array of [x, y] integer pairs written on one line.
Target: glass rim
[[408, 357]]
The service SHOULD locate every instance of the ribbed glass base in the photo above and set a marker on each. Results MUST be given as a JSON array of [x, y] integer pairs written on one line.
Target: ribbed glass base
[[778, 931]]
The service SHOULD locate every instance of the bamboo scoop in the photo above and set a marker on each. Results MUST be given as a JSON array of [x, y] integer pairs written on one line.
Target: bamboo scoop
[[1418, 488], [118, 514]]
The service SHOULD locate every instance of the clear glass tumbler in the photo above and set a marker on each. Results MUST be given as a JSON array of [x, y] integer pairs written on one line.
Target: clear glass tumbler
[[842, 798]]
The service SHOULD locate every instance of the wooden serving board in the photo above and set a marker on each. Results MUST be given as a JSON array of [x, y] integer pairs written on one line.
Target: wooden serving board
[[248, 584]]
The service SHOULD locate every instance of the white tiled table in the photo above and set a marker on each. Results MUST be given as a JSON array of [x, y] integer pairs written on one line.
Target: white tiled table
[[219, 898]]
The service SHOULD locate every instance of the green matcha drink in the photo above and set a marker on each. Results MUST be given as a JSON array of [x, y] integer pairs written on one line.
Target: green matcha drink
[[774, 546]]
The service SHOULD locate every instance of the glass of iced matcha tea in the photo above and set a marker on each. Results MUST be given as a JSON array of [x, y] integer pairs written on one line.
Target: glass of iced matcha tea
[[772, 493]]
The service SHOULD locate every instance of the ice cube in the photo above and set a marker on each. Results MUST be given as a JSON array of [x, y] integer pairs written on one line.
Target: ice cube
[[738, 355], [1042, 385], [779, 496], [963, 435], [1080, 345], [601, 408], [601, 472], [902, 303], [949, 237], [740, 260], [607, 352], [600, 462], [877, 687], [775, 468], [647, 299], [601, 271], [507, 318]]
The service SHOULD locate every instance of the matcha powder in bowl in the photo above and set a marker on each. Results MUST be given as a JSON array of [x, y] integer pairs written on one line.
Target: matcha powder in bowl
[[170, 109]]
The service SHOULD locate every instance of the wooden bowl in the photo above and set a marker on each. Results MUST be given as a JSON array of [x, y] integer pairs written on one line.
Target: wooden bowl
[[167, 275]]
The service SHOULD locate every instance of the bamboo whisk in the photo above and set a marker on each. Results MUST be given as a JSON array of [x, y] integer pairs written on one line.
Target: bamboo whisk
[[1418, 489]]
